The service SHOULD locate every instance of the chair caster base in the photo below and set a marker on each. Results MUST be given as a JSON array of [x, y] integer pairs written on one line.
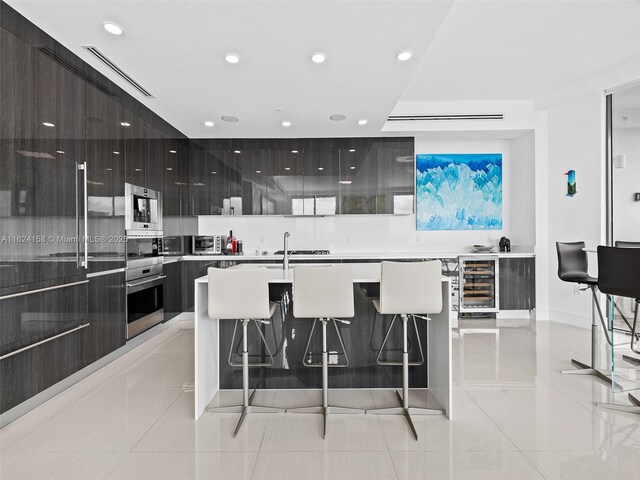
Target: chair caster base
[[584, 369]]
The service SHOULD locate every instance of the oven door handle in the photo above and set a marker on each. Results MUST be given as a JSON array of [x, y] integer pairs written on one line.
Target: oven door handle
[[133, 287]]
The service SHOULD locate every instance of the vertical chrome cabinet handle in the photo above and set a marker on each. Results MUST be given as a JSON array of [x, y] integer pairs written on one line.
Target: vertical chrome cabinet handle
[[77, 220], [86, 219], [85, 262]]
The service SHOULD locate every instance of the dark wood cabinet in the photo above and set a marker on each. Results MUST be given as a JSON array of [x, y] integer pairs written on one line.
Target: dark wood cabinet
[[39, 180], [105, 159], [40, 316], [172, 293], [135, 155], [318, 176], [190, 270], [153, 156], [107, 314], [517, 283]]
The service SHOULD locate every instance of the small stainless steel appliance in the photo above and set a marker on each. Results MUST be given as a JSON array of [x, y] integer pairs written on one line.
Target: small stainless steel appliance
[[206, 244], [174, 245], [142, 211], [145, 279]]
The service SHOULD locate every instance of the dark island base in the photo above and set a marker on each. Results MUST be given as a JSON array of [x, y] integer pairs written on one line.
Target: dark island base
[[362, 339]]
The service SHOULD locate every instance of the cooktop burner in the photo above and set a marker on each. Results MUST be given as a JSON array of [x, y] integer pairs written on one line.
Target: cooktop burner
[[304, 252]]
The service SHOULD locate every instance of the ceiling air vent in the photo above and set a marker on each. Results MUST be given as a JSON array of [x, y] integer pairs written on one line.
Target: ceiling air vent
[[104, 59], [60, 60], [442, 118]]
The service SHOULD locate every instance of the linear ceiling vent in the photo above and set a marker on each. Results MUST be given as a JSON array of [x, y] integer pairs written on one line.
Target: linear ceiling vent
[[441, 118], [104, 59], [75, 69]]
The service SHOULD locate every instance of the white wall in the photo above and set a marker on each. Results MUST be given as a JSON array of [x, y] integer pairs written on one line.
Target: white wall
[[626, 211], [575, 136], [521, 192], [380, 232]]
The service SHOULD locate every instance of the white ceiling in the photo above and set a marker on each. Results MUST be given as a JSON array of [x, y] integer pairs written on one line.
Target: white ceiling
[[524, 49], [176, 49], [464, 50]]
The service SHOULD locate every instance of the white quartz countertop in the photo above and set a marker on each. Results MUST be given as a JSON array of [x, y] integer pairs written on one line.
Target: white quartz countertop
[[362, 272], [389, 255]]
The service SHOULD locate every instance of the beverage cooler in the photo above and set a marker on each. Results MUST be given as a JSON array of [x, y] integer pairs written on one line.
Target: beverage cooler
[[478, 285]]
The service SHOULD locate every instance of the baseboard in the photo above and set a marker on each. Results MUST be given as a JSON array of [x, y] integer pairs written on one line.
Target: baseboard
[[515, 314], [38, 399], [570, 319]]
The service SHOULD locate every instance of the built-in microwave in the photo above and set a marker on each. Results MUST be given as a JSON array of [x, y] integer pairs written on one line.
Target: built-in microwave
[[142, 211]]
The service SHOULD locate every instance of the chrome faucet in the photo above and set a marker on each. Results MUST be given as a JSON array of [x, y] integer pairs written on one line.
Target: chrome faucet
[[285, 261]]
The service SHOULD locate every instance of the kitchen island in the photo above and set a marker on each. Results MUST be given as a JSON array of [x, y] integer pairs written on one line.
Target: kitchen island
[[362, 338]]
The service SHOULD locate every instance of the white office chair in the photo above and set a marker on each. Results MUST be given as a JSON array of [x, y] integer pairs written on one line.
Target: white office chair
[[408, 289], [242, 294], [324, 293]]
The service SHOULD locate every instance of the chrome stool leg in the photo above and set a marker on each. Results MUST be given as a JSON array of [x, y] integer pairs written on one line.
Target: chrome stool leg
[[325, 409], [405, 409], [247, 407], [635, 408], [583, 368]]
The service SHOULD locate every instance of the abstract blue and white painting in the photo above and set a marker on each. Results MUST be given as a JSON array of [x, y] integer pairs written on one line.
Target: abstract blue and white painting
[[459, 191]]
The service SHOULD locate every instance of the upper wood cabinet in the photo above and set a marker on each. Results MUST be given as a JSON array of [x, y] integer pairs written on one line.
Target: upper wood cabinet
[[326, 176]]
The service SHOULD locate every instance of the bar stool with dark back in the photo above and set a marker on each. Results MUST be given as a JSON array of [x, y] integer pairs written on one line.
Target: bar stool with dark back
[[619, 275], [408, 289], [324, 294], [573, 267], [242, 294], [623, 244]]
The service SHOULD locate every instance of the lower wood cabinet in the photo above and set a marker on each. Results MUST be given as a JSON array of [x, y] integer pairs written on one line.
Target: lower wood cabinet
[[107, 307], [48, 329], [172, 293], [517, 283]]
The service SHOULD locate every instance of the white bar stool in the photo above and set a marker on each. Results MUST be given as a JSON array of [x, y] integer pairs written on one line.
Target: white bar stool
[[242, 295], [323, 293], [408, 289]]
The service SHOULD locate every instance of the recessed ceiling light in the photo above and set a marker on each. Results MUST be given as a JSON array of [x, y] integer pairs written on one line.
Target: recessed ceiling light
[[214, 172], [48, 124], [345, 182], [170, 169], [125, 124], [232, 58], [363, 122], [337, 117], [173, 151], [287, 168], [208, 123], [116, 153], [352, 168], [294, 151], [318, 57], [230, 118], [404, 56], [112, 28], [286, 123], [59, 151], [320, 168], [237, 151], [352, 150], [258, 171]]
